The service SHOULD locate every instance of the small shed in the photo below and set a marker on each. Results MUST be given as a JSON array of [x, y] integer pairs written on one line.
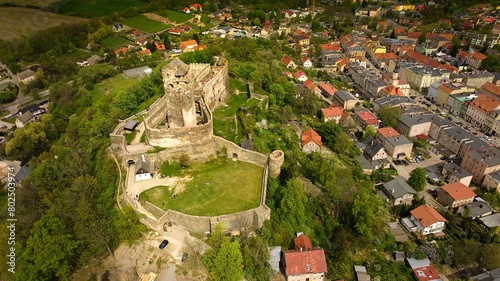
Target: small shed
[[144, 170], [130, 125], [275, 258]]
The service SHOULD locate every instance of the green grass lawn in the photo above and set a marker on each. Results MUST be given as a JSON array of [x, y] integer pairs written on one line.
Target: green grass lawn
[[218, 187], [96, 8], [145, 24], [111, 86], [234, 102], [175, 16], [235, 84], [114, 42], [129, 137]]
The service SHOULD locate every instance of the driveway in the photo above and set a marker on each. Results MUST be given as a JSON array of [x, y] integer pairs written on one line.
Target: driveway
[[404, 173]]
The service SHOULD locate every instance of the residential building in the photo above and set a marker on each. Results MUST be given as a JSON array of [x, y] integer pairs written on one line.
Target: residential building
[[327, 90], [196, 7], [474, 60], [332, 113], [26, 76], [454, 173], [492, 124], [306, 62], [24, 119], [424, 220], [491, 90], [455, 194], [304, 263], [365, 118], [300, 75], [479, 109], [433, 88], [492, 181], [288, 62], [391, 101], [423, 270], [188, 45], [476, 79], [457, 103], [480, 162], [412, 125], [477, 209], [421, 77], [437, 125], [396, 145], [311, 141], [309, 84], [375, 153], [398, 192], [373, 48], [344, 99], [447, 89], [456, 141], [490, 275]]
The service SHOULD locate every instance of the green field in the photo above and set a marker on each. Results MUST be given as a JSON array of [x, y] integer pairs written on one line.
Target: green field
[[218, 187], [145, 24], [111, 86], [175, 16], [233, 104], [114, 42], [96, 8]]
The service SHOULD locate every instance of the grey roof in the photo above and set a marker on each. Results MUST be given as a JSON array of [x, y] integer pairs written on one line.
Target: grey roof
[[456, 170], [247, 144], [414, 263], [398, 140], [24, 118], [489, 155], [399, 255], [143, 166], [138, 71], [344, 96], [364, 163], [361, 273], [478, 208], [438, 121], [25, 74], [392, 100], [491, 221], [181, 71], [275, 258], [410, 120], [494, 175], [492, 275], [360, 268], [130, 125], [23, 173], [372, 149], [397, 188]]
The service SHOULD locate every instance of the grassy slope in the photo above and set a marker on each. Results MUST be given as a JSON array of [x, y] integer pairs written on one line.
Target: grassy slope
[[114, 42], [95, 8], [111, 86], [218, 187], [16, 21], [175, 16], [145, 24]]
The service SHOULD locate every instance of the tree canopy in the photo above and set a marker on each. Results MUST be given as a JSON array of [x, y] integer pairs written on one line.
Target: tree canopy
[[418, 179]]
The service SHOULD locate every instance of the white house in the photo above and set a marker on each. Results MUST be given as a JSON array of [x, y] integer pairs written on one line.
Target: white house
[[144, 170], [311, 141], [306, 62], [301, 76], [424, 220]]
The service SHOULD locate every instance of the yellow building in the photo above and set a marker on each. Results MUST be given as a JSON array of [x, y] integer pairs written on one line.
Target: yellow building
[[447, 89]]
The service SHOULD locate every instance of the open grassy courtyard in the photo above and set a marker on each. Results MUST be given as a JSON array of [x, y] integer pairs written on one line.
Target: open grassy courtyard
[[96, 8], [218, 187]]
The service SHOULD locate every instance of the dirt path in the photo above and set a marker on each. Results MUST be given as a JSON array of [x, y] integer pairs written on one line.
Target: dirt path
[[156, 17]]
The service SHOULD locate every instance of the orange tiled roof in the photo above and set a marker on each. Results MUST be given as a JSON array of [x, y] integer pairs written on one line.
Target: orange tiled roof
[[427, 215], [478, 56], [388, 132], [305, 262], [286, 60], [333, 111], [458, 191], [311, 135], [485, 104], [302, 242], [492, 88], [186, 44]]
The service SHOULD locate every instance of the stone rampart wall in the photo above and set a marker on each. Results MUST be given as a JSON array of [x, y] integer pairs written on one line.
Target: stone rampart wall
[[241, 153]]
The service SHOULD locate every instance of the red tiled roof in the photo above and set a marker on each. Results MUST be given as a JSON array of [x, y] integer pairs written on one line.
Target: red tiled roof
[[196, 6], [367, 117], [144, 52], [388, 56], [427, 215], [304, 262], [121, 50], [426, 273], [414, 34], [491, 88], [311, 135], [327, 88], [286, 60], [485, 104], [299, 73], [458, 191], [330, 47], [302, 242], [478, 56], [160, 47], [388, 132], [333, 111], [304, 59], [392, 90]]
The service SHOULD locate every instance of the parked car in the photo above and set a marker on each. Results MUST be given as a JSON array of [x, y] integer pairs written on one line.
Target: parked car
[[433, 192], [396, 162], [163, 244], [406, 163]]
